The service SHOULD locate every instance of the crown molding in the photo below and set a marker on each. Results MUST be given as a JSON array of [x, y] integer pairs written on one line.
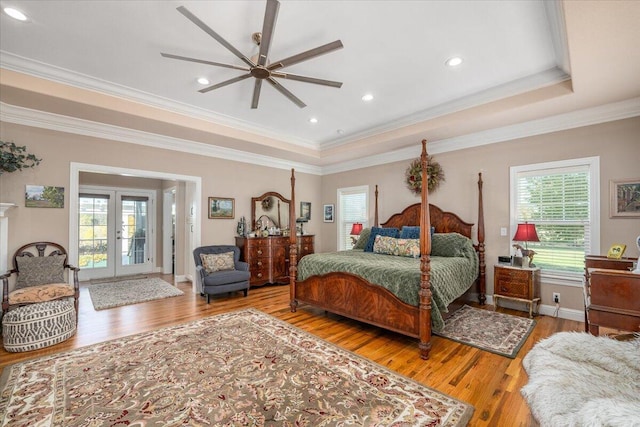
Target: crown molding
[[526, 84], [575, 119], [45, 120], [586, 117], [56, 74]]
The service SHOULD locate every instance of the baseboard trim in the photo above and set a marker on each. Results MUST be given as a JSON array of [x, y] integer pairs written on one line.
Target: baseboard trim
[[547, 310]]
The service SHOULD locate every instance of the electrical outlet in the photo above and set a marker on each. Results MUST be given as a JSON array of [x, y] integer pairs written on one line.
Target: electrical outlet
[[556, 297]]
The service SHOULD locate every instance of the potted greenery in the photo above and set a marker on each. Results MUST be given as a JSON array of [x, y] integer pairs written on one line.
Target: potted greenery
[[15, 158]]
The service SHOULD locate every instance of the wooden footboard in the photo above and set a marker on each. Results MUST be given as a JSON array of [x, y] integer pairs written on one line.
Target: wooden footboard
[[353, 297]]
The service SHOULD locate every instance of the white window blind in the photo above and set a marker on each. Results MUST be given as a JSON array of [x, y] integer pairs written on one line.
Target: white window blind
[[353, 206], [560, 198]]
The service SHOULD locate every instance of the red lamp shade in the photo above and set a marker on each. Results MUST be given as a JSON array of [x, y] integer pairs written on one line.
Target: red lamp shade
[[356, 229], [526, 233]]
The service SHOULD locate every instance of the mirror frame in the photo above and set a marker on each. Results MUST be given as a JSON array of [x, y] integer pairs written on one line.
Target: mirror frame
[[260, 199]]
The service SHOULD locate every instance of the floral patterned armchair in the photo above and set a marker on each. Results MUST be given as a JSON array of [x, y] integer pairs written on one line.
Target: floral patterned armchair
[[39, 268]]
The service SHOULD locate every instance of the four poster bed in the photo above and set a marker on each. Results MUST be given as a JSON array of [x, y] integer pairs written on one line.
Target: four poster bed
[[339, 286]]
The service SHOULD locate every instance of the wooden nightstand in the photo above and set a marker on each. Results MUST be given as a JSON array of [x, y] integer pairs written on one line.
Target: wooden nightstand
[[517, 284]]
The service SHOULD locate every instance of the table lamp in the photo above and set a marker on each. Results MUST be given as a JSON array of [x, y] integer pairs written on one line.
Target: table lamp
[[526, 233], [356, 228], [301, 221]]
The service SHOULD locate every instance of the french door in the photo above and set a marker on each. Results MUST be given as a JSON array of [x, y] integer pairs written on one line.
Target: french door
[[115, 233]]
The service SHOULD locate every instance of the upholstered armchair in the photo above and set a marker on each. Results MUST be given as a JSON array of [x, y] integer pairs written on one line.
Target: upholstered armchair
[[219, 270], [39, 269]]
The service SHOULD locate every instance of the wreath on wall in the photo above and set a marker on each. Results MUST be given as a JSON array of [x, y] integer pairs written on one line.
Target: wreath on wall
[[413, 175]]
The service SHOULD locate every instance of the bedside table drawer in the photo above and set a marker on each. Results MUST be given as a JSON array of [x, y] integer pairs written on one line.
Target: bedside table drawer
[[512, 274], [516, 289]]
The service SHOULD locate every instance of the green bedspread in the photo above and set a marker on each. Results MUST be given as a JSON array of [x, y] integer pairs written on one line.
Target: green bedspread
[[451, 276]]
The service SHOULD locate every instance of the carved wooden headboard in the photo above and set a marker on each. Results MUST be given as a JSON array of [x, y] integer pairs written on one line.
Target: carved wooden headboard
[[444, 222]]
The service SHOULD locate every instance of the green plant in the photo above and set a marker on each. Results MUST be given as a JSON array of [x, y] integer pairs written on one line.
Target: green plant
[[15, 158]]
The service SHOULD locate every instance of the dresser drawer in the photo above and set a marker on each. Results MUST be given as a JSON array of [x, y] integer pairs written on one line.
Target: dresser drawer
[[512, 274]]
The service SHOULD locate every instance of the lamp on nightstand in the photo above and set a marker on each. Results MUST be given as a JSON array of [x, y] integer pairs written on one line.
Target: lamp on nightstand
[[526, 233], [356, 229]]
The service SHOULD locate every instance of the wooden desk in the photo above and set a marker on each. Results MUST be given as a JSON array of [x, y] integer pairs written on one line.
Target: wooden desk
[[600, 261], [613, 300]]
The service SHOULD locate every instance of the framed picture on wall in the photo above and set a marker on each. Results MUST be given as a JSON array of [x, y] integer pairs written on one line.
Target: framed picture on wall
[[305, 210], [329, 211], [43, 196], [625, 198], [221, 208]]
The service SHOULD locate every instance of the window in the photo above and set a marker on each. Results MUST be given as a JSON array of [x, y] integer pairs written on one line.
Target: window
[[353, 206], [562, 200]]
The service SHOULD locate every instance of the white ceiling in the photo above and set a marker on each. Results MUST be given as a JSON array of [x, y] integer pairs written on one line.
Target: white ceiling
[[517, 55]]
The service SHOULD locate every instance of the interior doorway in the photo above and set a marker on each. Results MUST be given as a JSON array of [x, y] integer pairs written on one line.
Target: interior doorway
[[190, 206]]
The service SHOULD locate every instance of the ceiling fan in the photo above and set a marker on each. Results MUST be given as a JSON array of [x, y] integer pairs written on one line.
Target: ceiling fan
[[259, 68]]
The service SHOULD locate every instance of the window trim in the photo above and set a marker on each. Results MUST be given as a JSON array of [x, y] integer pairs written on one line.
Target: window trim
[[339, 221], [593, 164]]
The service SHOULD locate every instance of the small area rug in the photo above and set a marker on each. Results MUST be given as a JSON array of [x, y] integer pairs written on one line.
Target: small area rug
[[240, 368], [488, 330], [577, 379], [126, 292]]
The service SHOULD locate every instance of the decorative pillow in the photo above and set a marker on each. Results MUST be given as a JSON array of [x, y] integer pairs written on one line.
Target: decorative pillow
[[41, 293], [217, 262], [40, 270], [449, 244], [413, 232], [362, 239], [379, 231], [394, 246]]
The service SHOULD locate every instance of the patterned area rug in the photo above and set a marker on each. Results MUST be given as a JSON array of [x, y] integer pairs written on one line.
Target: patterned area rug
[[498, 333], [241, 368], [126, 292]]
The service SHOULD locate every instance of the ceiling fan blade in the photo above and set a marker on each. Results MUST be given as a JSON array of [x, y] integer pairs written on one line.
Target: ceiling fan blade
[[225, 83], [268, 27], [313, 80], [321, 50], [256, 93], [202, 61], [286, 93], [191, 17]]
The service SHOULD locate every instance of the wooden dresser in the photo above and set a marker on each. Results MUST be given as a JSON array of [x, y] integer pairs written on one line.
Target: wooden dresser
[[612, 294], [268, 257]]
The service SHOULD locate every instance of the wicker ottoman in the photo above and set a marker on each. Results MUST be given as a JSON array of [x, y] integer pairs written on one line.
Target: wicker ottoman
[[35, 326]]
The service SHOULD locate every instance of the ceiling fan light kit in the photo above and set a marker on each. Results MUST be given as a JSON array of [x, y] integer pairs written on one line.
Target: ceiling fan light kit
[[258, 66]]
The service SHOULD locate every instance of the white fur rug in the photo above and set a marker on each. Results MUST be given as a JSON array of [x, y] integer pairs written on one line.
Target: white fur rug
[[576, 379]]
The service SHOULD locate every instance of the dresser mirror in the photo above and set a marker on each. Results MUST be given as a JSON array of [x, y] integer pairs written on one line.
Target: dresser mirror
[[270, 211]]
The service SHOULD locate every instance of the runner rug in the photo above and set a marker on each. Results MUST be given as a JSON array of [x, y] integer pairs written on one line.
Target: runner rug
[[126, 292], [239, 368], [488, 330]]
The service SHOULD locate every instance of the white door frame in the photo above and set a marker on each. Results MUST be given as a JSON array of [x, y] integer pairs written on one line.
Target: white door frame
[[194, 200], [168, 232]]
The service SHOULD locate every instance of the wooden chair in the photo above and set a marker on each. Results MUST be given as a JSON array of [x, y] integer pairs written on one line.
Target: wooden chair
[[40, 268]]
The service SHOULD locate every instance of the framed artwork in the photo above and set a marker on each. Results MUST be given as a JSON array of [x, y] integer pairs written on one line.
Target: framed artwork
[[221, 208], [43, 196], [305, 210], [329, 212], [625, 198]]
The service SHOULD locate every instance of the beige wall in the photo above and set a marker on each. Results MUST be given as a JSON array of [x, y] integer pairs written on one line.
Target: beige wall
[[616, 143], [221, 178]]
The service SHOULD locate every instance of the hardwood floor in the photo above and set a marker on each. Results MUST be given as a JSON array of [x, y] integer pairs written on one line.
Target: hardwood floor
[[489, 382]]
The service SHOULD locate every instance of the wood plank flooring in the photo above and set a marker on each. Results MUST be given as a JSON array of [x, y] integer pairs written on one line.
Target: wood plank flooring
[[489, 382]]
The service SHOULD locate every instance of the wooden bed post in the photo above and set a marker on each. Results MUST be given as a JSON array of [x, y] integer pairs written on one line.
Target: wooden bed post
[[293, 245], [375, 218], [482, 281], [425, 261]]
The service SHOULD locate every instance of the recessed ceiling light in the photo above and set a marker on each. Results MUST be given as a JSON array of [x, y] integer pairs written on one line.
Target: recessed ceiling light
[[340, 132], [203, 81], [454, 61], [313, 120], [367, 97], [15, 14]]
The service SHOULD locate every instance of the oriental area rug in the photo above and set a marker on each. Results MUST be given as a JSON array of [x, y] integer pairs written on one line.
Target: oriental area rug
[[488, 330], [125, 292], [240, 368]]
